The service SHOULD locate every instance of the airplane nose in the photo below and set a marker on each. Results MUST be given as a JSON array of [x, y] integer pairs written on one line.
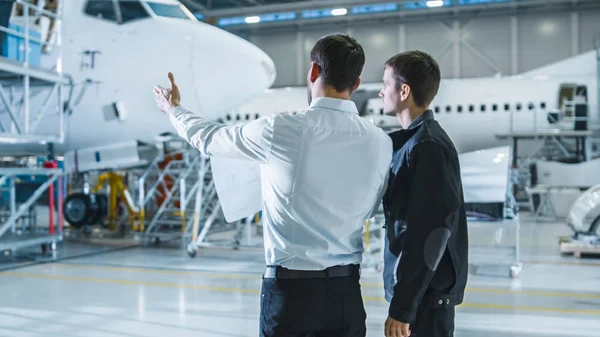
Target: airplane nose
[[232, 65]]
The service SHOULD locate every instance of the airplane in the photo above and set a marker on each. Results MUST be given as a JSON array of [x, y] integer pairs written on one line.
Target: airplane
[[114, 51], [472, 110]]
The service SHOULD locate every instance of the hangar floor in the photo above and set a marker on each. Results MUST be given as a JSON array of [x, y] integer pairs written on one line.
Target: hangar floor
[[162, 292]]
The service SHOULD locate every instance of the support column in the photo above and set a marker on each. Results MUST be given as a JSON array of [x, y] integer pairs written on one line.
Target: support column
[[402, 37], [574, 33], [514, 45], [300, 56], [457, 49]]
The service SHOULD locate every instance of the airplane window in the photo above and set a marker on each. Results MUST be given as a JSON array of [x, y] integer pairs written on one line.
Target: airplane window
[[101, 9], [506, 107], [482, 108], [228, 117], [518, 106], [166, 10], [257, 116], [543, 105], [471, 108], [237, 117], [459, 108], [220, 120], [132, 10], [494, 107], [247, 117], [531, 106], [381, 111], [437, 109], [371, 111], [448, 109]]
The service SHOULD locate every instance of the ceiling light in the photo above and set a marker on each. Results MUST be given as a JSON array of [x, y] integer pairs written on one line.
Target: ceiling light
[[435, 3], [252, 19], [339, 11]]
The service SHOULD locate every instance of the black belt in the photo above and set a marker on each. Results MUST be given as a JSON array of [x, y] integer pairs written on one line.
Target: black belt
[[278, 272]]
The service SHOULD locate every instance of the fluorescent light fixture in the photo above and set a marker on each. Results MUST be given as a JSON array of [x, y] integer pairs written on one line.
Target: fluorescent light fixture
[[339, 11], [434, 3], [252, 19]]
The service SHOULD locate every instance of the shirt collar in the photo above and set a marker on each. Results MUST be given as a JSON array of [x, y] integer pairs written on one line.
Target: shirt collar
[[425, 116], [334, 104]]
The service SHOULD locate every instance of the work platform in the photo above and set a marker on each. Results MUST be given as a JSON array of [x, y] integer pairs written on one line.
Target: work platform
[[11, 71], [583, 140], [25, 86]]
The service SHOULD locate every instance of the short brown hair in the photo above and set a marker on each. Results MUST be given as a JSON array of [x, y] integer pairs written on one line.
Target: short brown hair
[[419, 71]]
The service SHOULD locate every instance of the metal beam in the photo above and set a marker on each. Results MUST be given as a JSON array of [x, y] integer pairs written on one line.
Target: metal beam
[[457, 48], [402, 37], [575, 33], [514, 45], [294, 6], [9, 109], [38, 192], [43, 109], [405, 16], [194, 5], [17, 68]]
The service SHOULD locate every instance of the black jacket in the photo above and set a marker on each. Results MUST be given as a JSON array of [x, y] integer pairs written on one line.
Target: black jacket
[[426, 250]]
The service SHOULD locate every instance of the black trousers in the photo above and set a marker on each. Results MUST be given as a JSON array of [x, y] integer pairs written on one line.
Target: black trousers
[[438, 322], [329, 307]]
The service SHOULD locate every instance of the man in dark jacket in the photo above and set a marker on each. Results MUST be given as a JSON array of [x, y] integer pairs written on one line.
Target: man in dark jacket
[[425, 271]]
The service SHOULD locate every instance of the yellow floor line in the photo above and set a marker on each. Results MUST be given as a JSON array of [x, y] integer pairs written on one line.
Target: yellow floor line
[[257, 291], [159, 271], [365, 285], [132, 282]]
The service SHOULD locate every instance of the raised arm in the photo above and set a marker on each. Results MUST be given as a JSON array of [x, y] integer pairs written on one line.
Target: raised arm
[[249, 141]]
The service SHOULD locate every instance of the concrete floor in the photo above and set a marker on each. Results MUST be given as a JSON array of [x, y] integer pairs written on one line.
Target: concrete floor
[[163, 292]]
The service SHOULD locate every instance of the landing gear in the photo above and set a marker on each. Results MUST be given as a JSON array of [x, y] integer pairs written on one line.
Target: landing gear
[[85, 209]]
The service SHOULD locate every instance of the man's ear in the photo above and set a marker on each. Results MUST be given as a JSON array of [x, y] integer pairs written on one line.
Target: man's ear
[[314, 73], [404, 91], [356, 85]]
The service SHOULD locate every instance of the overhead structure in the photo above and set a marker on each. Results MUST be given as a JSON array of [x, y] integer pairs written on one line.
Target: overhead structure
[[22, 77], [243, 14]]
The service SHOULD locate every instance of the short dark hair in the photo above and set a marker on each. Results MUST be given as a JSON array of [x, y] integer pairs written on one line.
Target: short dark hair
[[419, 71], [340, 58]]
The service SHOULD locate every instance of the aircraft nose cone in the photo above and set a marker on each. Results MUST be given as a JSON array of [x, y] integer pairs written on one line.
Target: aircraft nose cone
[[231, 64]]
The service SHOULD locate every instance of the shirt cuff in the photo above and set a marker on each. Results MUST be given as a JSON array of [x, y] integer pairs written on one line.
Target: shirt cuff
[[402, 315], [176, 110]]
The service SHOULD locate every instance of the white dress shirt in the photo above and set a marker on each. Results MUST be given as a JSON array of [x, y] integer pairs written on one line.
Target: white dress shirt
[[323, 173]]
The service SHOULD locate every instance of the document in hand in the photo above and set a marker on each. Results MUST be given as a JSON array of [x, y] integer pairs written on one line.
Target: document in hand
[[238, 187]]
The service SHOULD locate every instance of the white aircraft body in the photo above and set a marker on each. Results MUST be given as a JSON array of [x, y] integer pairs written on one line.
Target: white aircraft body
[[114, 51], [472, 111]]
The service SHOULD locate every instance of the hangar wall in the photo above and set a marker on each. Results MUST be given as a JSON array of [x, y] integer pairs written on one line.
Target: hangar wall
[[486, 45]]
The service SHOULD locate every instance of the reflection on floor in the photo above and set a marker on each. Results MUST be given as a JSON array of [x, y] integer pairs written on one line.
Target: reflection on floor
[[163, 292]]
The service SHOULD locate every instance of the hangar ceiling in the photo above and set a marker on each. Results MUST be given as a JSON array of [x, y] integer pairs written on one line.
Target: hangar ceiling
[[259, 14]]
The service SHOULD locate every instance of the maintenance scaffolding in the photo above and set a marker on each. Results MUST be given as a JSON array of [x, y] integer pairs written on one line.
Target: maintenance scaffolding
[[21, 78]]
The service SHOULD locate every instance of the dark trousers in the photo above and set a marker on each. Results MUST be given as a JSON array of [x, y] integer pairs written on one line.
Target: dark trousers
[[438, 322], [312, 307]]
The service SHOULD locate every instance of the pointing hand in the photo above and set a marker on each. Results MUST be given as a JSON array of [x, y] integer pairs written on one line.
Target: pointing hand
[[167, 98]]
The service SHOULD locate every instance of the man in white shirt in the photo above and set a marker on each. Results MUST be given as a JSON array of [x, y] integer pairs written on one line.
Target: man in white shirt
[[323, 174]]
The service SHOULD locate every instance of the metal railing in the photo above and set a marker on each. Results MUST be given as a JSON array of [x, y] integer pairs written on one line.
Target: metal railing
[[25, 133]]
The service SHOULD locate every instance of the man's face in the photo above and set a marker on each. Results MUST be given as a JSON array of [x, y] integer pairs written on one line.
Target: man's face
[[391, 96]]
